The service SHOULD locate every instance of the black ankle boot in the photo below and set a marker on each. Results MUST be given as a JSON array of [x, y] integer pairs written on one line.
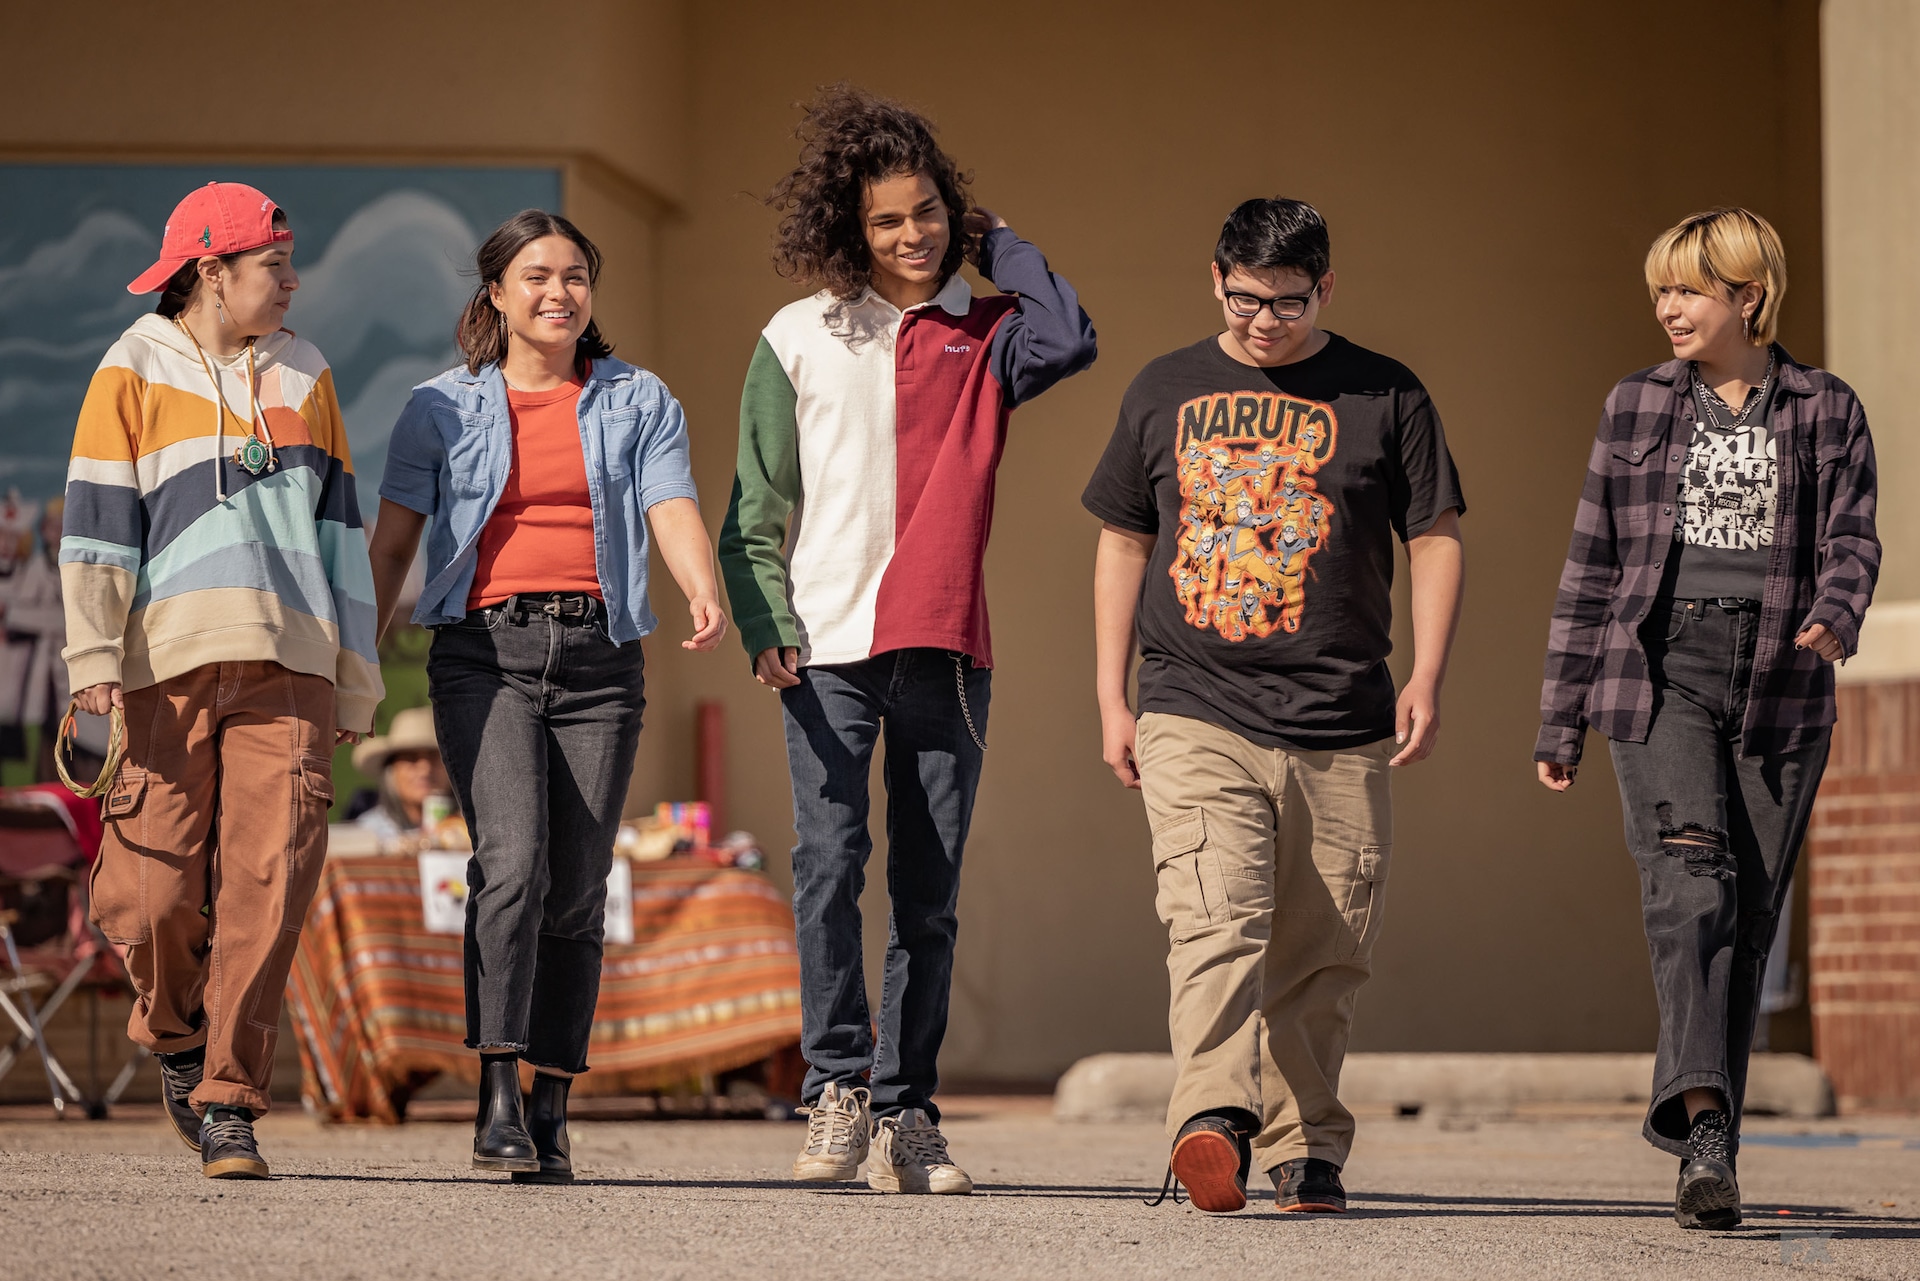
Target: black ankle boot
[[1708, 1194], [500, 1138], [547, 1123]]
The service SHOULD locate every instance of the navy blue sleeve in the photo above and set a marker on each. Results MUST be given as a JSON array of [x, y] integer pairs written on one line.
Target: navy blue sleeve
[[1049, 337], [414, 456]]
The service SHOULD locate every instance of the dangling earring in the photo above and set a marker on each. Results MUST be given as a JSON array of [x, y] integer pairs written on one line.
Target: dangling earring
[[220, 308], [1746, 327]]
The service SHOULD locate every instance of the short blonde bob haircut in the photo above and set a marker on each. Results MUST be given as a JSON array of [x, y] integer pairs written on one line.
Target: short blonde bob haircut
[[1723, 250]]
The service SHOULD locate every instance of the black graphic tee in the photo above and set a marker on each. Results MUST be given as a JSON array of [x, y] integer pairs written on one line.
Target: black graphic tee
[[1724, 536], [1275, 495]]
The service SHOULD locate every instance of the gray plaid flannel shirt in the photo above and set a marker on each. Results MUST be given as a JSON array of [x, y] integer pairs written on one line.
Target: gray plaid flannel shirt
[[1824, 562]]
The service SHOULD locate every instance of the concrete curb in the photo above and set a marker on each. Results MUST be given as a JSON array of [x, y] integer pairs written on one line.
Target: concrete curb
[[1137, 1087]]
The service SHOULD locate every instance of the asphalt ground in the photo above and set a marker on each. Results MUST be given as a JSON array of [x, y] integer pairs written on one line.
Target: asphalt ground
[[1532, 1195]]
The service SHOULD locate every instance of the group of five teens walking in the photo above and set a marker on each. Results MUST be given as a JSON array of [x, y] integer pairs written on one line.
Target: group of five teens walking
[[228, 602]]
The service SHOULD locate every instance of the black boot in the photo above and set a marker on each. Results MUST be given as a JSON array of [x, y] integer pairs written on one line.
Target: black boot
[[547, 1123], [1708, 1194], [500, 1138]]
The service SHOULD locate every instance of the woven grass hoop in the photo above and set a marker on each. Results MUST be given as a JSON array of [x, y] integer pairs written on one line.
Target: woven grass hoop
[[116, 749]]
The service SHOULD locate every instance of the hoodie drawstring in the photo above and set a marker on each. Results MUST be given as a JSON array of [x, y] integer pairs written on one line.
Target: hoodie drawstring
[[256, 424]]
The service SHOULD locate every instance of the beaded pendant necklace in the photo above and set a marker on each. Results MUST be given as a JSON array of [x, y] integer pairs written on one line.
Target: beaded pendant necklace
[[255, 453]]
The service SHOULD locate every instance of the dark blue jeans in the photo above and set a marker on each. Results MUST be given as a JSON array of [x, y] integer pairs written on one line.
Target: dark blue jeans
[[1715, 834], [834, 717], [538, 719]]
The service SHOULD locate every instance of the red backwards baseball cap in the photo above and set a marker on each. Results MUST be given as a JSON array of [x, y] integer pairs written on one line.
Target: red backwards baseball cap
[[219, 218]]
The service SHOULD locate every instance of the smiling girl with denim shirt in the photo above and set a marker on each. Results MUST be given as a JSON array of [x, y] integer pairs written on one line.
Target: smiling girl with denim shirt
[[539, 463]]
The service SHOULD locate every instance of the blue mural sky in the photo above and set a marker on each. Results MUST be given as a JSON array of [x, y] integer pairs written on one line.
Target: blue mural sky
[[381, 251]]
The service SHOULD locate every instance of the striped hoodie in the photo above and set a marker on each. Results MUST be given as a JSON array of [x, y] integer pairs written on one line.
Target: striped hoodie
[[173, 556], [863, 494]]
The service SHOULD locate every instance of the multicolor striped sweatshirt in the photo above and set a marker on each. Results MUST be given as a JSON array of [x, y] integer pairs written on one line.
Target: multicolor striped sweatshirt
[[173, 556], [876, 433]]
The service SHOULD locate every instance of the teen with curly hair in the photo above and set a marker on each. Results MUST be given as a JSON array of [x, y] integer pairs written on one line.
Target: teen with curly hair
[[878, 407]]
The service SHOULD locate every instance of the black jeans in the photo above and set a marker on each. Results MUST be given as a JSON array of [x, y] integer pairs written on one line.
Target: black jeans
[[833, 719], [1715, 834], [538, 719]]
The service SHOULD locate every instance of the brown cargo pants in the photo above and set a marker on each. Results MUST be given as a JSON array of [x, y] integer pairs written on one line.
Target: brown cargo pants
[[216, 829], [1271, 867]]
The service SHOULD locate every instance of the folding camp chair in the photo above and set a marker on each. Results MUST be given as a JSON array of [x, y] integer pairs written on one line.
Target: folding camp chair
[[47, 944]]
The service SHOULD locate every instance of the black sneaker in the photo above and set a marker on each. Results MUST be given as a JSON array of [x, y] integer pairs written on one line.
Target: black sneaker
[[1211, 1157], [1308, 1185], [227, 1149], [180, 1077], [1708, 1196]]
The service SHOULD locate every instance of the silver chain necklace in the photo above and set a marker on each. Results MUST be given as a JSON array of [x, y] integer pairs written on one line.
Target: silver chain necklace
[[1709, 398]]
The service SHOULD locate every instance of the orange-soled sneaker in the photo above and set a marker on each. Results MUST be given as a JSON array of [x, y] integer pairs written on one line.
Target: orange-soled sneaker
[[1211, 1157], [1308, 1185]]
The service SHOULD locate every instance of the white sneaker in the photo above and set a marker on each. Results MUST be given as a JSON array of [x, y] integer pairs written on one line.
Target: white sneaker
[[910, 1155], [839, 1130]]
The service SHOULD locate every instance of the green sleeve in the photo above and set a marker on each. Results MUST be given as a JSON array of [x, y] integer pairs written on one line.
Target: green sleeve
[[766, 488]]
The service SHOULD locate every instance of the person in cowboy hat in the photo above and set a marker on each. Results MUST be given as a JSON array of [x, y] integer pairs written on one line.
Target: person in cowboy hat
[[406, 761]]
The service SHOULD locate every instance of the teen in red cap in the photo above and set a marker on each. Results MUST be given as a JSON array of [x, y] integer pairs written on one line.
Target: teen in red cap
[[217, 589]]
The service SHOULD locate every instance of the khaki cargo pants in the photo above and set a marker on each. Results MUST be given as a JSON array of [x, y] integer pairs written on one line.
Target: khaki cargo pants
[[216, 830], [1271, 866]]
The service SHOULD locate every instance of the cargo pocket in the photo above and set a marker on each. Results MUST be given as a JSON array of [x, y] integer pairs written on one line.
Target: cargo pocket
[[317, 776], [116, 887], [1191, 892], [313, 798], [1365, 899]]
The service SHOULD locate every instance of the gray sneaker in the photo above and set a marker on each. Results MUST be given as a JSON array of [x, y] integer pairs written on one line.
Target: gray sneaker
[[839, 1130], [179, 1077], [227, 1147], [910, 1155]]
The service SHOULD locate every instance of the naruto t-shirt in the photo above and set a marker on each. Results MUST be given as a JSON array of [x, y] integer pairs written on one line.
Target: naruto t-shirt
[[1275, 495]]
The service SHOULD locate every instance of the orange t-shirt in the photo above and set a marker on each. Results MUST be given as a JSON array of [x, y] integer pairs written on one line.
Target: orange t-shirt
[[540, 536]]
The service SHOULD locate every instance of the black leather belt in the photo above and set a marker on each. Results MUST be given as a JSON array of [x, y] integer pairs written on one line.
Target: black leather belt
[[1731, 604], [567, 607]]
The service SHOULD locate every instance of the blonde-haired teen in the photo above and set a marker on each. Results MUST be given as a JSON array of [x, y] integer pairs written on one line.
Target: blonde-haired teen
[[1723, 557], [217, 589]]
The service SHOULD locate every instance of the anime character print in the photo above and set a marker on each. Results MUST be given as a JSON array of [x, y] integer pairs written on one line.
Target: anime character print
[[1251, 517]]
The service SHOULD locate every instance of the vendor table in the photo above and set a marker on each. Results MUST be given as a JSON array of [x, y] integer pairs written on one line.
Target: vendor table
[[711, 982]]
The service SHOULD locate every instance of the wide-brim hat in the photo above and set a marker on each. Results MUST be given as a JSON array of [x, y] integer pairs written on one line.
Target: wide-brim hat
[[219, 218], [411, 731]]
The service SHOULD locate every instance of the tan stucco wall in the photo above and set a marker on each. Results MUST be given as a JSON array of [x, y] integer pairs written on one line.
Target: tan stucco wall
[[1492, 178], [484, 78], [1872, 189]]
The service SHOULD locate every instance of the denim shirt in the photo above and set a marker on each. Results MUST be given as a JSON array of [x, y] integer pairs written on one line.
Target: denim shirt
[[453, 447]]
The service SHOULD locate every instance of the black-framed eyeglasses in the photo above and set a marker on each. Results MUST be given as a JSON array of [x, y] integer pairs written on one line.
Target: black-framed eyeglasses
[[1247, 306]]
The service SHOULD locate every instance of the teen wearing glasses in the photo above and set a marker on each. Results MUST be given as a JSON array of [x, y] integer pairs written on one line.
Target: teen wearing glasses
[[1723, 557], [1251, 495]]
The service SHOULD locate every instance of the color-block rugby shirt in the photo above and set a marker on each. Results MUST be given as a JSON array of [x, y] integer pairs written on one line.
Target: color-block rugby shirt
[[1824, 560], [173, 556], [877, 433]]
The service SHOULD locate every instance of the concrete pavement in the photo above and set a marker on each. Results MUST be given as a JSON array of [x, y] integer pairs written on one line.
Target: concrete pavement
[[1530, 1195]]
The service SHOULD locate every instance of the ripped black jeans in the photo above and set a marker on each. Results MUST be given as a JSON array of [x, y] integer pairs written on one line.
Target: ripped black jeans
[[1715, 834]]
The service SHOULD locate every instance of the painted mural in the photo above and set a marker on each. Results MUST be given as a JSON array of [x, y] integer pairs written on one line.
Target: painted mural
[[382, 252]]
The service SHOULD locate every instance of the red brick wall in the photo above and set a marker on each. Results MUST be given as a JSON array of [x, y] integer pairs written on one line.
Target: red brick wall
[[1863, 860]]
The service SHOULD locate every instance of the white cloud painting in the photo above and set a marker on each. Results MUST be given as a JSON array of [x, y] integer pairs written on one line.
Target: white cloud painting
[[383, 255]]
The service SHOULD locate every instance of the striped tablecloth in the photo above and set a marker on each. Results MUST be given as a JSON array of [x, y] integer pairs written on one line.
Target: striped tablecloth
[[711, 982]]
